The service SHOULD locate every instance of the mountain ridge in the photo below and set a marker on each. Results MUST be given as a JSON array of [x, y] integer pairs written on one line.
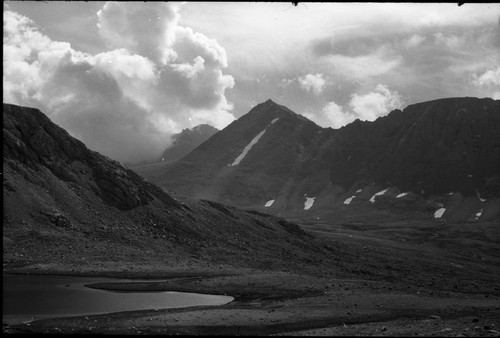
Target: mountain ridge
[[418, 149]]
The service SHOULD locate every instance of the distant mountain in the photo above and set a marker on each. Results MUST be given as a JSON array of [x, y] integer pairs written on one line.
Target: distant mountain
[[188, 140], [64, 204], [417, 159]]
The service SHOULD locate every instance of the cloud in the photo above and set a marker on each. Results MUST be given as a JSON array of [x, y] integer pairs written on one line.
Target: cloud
[[368, 107], [286, 82], [146, 30], [414, 41], [488, 78], [126, 102], [314, 83], [377, 63], [332, 115], [375, 104]]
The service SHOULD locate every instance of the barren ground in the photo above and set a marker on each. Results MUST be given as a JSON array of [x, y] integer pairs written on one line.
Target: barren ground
[[395, 279]]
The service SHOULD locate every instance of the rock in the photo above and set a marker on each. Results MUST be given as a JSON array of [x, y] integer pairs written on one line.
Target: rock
[[58, 219], [435, 317]]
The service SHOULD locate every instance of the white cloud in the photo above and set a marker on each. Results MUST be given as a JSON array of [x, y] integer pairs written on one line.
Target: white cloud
[[332, 115], [365, 66], [147, 30], [488, 78], [126, 102], [313, 82], [368, 107], [378, 103]]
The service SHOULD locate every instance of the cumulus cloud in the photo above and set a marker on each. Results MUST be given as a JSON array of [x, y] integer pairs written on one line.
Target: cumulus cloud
[[378, 103], [157, 78], [488, 78], [146, 30], [368, 107], [332, 115], [312, 82]]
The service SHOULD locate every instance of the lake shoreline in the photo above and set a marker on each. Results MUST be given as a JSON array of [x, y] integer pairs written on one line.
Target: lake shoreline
[[279, 303]]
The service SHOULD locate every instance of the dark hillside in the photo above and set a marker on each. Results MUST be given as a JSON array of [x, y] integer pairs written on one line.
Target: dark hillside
[[64, 204], [436, 147]]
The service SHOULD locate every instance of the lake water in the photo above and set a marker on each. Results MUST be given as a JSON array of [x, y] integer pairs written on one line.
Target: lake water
[[31, 297]]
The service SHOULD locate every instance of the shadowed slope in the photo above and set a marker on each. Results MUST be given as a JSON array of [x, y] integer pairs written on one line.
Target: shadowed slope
[[68, 205]]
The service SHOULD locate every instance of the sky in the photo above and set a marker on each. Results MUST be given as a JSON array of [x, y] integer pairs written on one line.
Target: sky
[[123, 77]]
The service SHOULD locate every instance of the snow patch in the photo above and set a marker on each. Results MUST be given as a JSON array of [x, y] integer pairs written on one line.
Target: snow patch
[[349, 200], [479, 213], [377, 194], [403, 194], [309, 203], [439, 212], [251, 144], [358, 191], [269, 203]]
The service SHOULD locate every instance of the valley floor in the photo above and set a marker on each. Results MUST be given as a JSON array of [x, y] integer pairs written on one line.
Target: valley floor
[[384, 286]]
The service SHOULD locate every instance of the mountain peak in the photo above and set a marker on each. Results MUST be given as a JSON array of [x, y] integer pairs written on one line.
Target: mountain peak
[[272, 109]]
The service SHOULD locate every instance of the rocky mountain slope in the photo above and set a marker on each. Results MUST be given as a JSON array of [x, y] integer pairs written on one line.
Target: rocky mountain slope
[[436, 159], [187, 140], [64, 204]]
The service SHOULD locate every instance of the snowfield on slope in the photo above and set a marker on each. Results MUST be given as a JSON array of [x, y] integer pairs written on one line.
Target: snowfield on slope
[[439, 212], [372, 199], [309, 203], [349, 200], [269, 203], [253, 142]]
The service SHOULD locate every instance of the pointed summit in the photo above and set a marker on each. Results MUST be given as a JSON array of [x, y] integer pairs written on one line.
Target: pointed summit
[[269, 110]]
